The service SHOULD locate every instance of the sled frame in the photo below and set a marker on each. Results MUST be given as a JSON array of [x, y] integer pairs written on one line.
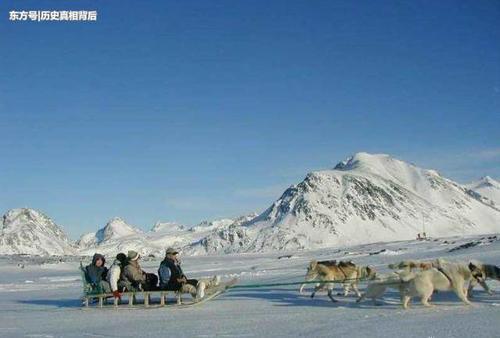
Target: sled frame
[[90, 294]]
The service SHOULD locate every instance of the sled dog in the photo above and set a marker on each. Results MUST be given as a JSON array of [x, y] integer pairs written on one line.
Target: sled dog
[[481, 273], [328, 263], [346, 272], [446, 276], [377, 288]]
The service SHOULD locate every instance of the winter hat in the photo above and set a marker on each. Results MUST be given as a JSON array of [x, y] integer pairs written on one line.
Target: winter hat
[[122, 258], [133, 255], [171, 251]]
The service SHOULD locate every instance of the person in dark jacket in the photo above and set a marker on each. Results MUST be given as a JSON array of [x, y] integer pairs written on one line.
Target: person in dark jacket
[[137, 278], [172, 277], [96, 272]]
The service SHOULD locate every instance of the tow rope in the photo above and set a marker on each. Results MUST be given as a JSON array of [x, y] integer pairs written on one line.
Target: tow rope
[[264, 285]]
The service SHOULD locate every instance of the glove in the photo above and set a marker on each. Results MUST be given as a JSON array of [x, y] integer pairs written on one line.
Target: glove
[[117, 294]]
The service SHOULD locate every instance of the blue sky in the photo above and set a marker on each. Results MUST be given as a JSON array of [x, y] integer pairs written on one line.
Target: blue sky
[[191, 110]]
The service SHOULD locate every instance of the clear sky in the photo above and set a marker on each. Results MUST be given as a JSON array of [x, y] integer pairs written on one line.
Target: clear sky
[[191, 110]]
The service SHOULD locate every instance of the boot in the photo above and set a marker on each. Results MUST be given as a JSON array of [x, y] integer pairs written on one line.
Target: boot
[[188, 288], [200, 290], [213, 282]]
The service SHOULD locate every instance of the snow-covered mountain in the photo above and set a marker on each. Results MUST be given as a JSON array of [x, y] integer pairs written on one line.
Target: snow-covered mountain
[[167, 227], [222, 223], [365, 199], [27, 231], [163, 235], [114, 230], [220, 236], [488, 188]]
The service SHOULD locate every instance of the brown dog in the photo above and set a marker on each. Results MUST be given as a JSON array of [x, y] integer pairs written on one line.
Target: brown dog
[[345, 272]]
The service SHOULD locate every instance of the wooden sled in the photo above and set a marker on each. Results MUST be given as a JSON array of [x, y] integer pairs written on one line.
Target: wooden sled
[[131, 298], [101, 299]]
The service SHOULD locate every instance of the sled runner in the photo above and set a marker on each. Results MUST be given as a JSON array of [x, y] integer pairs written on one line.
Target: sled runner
[[95, 296], [213, 293]]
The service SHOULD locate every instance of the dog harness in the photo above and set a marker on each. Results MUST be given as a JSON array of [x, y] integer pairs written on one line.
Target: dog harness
[[342, 270], [440, 269]]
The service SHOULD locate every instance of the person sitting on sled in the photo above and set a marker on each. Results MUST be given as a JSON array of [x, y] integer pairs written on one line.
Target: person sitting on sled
[[96, 272], [173, 279], [135, 277], [114, 274]]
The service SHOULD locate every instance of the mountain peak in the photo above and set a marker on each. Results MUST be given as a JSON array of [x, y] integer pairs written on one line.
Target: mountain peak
[[26, 217], [116, 228], [363, 160], [484, 182], [490, 181], [486, 187], [386, 166], [26, 230], [167, 227]]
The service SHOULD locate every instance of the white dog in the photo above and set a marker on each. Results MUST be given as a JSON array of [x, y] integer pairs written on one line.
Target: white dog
[[378, 287], [446, 277]]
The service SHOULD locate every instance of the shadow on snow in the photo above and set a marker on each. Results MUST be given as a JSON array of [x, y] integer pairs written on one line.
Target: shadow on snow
[[289, 297], [390, 300], [59, 303]]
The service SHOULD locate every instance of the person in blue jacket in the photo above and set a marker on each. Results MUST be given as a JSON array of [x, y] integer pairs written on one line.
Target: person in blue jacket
[[172, 278], [96, 272]]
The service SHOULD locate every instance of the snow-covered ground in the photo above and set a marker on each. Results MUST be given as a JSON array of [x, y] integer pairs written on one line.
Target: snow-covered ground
[[41, 299]]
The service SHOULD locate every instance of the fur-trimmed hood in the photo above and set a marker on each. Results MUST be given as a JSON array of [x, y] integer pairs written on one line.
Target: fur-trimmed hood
[[98, 256]]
